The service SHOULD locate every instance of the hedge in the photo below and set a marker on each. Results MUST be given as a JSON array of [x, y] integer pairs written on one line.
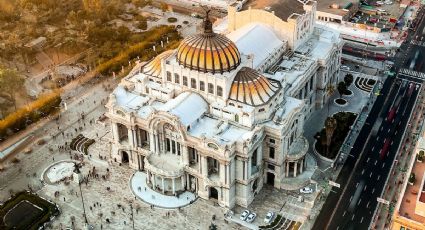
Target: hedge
[[45, 105]]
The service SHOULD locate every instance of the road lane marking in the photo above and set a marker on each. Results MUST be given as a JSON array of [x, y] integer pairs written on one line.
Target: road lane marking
[[360, 200], [376, 161], [365, 188], [367, 205], [362, 171], [361, 220], [352, 218], [344, 213], [357, 184], [370, 175], [379, 176], [368, 160], [388, 130], [351, 198], [373, 190], [383, 165], [373, 148]]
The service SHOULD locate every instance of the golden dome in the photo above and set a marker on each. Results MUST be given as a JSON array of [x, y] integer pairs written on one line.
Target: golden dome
[[208, 52], [252, 88], [153, 67]]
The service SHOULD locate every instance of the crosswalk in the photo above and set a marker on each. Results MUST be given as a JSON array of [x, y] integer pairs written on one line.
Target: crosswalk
[[412, 73]]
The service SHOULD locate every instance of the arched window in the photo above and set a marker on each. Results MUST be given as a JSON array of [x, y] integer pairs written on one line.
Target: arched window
[[219, 91], [210, 88], [176, 78], [193, 83], [201, 85], [184, 80], [168, 76]]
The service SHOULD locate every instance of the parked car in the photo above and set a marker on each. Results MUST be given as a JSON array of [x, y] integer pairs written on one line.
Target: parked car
[[380, 2], [344, 67], [244, 215], [306, 190], [381, 10], [388, 2], [269, 217], [251, 217]]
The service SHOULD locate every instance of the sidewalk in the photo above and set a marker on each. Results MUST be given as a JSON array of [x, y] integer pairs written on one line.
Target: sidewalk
[[383, 216]]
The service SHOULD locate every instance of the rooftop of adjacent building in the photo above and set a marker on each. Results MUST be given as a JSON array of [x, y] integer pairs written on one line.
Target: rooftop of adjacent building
[[282, 8], [413, 193], [337, 7]]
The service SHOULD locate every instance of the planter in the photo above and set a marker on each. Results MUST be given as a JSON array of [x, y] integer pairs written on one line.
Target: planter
[[341, 102], [348, 93]]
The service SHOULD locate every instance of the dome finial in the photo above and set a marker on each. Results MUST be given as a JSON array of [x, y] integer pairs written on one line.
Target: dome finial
[[207, 22]]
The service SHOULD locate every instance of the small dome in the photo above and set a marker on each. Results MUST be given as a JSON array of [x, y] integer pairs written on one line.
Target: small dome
[[153, 67], [208, 52], [252, 88]]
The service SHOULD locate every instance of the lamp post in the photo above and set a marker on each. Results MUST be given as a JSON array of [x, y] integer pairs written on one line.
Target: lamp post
[[132, 214]]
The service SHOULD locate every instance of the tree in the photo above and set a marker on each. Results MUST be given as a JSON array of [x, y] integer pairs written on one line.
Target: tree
[[330, 89], [348, 79], [330, 126], [342, 88], [10, 83]]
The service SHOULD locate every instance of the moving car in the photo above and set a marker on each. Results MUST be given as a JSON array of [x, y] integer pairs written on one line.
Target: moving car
[[245, 214], [306, 190], [269, 217], [251, 217]]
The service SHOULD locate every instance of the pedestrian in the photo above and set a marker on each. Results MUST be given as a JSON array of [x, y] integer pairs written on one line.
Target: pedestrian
[[64, 199]]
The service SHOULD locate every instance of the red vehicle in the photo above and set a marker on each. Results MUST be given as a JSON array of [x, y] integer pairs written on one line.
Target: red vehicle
[[393, 111], [384, 150]]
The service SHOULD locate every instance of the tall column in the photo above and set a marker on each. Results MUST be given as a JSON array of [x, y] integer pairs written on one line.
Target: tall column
[[222, 173], [163, 185], [152, 142], [287, 168], [185, 155], [174, 185], [302, 166], [115, 132], [130, 136], [204, 166], [157, 144], [295, 168]]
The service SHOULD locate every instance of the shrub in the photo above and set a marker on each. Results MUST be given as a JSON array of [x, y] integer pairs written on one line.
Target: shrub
[[46, 104], [172, 19], [420, 156], [412, 178], [15, 160], [185, 22]]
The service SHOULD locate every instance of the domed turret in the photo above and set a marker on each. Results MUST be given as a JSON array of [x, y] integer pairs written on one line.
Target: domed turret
[[252, 88], [208, 52]]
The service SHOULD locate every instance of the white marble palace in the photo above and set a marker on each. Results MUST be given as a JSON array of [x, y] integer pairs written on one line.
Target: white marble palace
[[223, 114]]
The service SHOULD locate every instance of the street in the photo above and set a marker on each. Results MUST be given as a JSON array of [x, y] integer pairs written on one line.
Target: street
[[365, 174]]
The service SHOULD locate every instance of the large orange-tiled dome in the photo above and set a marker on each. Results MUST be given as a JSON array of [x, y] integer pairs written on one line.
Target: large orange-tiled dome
[[208, 52], [252, 88]]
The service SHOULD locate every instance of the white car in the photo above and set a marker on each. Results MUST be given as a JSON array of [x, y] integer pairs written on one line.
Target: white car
[[388, 2], [306, 190], [380, 2], [344, 67], [251, 217], [381, 10], [269, 217], [245, 214]]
